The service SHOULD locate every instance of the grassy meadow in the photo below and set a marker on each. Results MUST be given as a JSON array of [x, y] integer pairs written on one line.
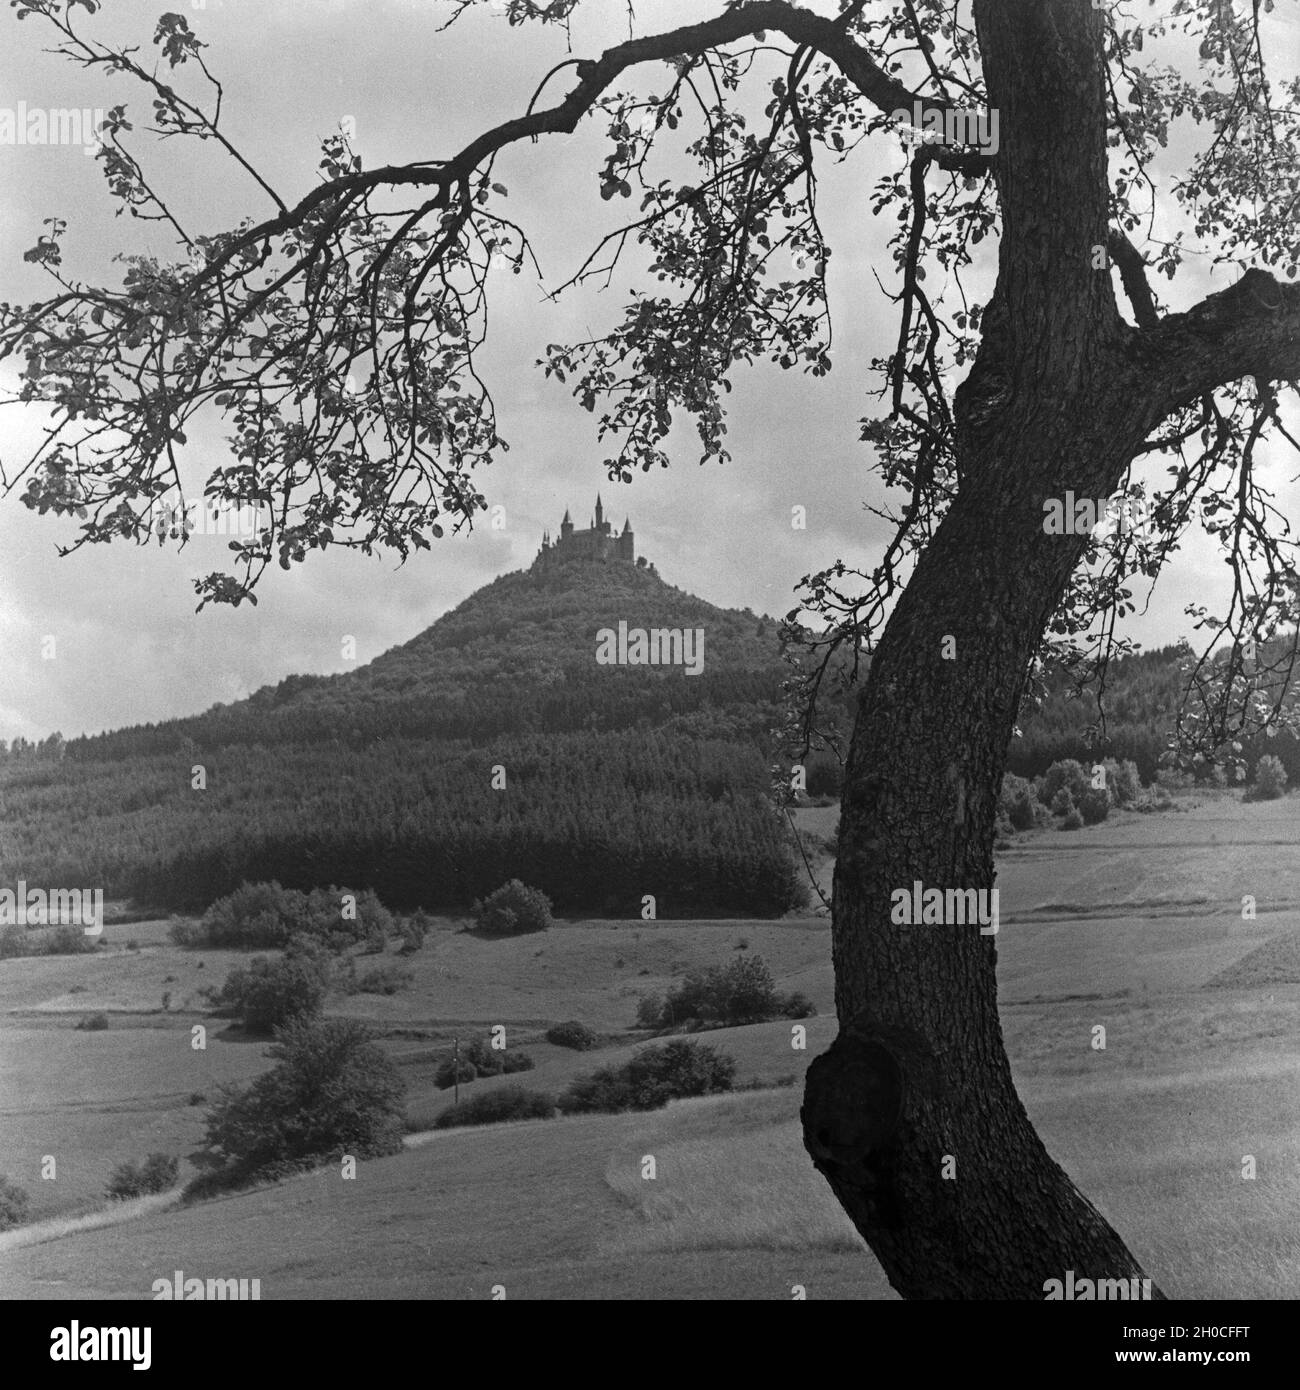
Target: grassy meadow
[[1135, 926]]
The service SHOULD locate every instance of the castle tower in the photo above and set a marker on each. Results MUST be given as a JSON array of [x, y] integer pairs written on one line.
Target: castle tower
[[566, 526], [600, 514]]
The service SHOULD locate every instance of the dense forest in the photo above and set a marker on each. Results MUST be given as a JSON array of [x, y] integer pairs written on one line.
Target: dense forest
[[493, 746]]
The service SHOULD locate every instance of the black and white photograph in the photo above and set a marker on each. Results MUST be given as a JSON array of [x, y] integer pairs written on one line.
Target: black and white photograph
[[650, 651]]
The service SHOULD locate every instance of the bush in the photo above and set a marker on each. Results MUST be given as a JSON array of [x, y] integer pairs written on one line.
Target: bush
[[1066, 774], [1016, 802], [490, 1061], [332, 1091], [1123, 781], [1094, 805], [512, 910], [1072, 820], [70, 941], [652, 1078], [255, 914], [412, 930], [93, 1023], [157, 1173], [1270, 779], [268, 994], [649, 1010], [267, 915], [13, 1204], [1062, 803], [446, 1075], [742, 991], [493, 1107], [798, 1005], [572, 1034], [1174, 780], [17, 940], [383, 979]]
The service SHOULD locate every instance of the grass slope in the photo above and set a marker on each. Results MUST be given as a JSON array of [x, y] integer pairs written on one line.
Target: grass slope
[[1202, 1033]]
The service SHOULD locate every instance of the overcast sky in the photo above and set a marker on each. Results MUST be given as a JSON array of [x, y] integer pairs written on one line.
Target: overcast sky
[[130, 647]]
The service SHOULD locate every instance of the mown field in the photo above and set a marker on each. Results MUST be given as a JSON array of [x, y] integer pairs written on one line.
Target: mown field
[[1135, 925]]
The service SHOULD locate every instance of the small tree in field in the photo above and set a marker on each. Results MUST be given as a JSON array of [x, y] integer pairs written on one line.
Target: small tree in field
[[332, 1091]]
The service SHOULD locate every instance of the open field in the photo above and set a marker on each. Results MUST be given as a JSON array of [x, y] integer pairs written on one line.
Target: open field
[[1135, 925]]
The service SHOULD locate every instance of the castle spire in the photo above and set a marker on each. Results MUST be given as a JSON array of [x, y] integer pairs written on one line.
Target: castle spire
[[600, 512]]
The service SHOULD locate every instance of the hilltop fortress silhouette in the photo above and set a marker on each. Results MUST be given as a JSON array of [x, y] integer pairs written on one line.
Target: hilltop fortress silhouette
[[598, 542]]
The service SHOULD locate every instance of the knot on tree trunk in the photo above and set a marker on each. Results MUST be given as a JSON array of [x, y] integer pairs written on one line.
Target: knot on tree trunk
[[853, 1107]]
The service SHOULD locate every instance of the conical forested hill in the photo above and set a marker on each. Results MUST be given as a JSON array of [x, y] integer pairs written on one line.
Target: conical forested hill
[[493, 745]]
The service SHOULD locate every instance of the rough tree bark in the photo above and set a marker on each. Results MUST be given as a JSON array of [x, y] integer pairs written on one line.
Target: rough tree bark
[[1062, 396]]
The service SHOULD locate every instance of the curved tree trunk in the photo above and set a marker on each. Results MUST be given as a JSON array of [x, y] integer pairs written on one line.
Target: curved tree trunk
[[912, 1115]]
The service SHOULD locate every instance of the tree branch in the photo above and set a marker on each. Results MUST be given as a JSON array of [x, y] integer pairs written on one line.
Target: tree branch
[[1133, 276], [828, 37], [1250, 329]]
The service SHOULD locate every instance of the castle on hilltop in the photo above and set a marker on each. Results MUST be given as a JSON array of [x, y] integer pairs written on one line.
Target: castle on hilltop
[[599, 542]]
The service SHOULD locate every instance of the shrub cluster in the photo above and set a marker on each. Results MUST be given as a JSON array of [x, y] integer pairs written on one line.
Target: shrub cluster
[[572, 1034], [493, 1107], [479, 1058], [266, 915], [1067, 788], [652, 1078], [157, 1173], [742, 991], [512, 910], [17, 940], [383, 979]]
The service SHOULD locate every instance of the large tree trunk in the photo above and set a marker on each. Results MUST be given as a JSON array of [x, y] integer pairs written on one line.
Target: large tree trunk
[[912, 1115]]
